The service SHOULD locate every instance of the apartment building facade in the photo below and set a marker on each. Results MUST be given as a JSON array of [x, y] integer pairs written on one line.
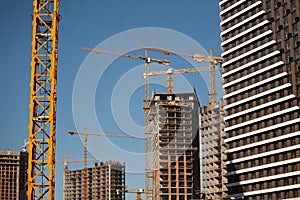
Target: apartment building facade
[[213, 157], [261, 76], [13, 175]]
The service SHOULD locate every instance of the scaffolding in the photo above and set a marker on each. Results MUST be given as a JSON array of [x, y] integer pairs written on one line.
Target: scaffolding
[[214, 157], [104, 182], [174, 123], [13, 176]]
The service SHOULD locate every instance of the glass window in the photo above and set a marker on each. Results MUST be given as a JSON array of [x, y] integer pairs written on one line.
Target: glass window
[[287, 45], [294, 15], [286, 181], [277, 182], [286, 195], [277, 14], [286, 33], [293, 4], [295, 193], [296, 52], [285, 21], [295, 180], [278, 36], [268, 6], [295, 40], [295, 28], [269, 174], [293, 154], [287, 56]]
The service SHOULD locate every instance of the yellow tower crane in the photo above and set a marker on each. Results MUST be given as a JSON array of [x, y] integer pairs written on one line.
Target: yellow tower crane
[[42, 105], [85, 134], [147, 60], [197, 58]]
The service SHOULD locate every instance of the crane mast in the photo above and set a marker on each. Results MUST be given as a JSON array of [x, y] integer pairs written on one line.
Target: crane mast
[[42, 119], [147, 139], [212, 94]]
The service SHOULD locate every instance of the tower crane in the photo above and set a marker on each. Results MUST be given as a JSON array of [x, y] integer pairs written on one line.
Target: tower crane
[[65, 161], [42, 105], [85, 134], [139, 57], [172, 71], [147, 136], [197, 58], [147, 60], [138, 192]]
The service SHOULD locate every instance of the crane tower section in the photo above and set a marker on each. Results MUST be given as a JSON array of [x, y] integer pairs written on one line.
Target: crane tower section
[[42, 124]]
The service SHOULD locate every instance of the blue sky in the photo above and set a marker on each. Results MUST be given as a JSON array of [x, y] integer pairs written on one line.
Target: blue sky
[[88, 23]]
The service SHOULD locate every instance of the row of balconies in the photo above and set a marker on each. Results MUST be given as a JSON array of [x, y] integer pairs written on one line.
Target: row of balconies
[[217, 150], [214, 189], [212, 167]]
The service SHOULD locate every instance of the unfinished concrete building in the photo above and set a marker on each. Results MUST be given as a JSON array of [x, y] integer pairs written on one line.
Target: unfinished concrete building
[[13, 175], [105, 181], [213, 161], [174, 125]]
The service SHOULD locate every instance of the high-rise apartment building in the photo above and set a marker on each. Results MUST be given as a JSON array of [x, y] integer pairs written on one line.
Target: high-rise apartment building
[[213, 161], [260, 42], [13, 175], [105, 181], [174, 125]]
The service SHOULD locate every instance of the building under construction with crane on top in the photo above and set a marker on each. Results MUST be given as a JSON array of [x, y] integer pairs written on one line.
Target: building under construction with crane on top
[[105, 181], [174, 125]]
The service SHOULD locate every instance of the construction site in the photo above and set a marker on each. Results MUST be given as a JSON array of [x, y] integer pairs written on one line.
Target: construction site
[[175, 146], [240, 145], [172, 136], [105, 181]]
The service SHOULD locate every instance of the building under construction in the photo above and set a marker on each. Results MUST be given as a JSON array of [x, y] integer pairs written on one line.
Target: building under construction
[[105, 181], [174, 125], [13, 176], [213, 157]]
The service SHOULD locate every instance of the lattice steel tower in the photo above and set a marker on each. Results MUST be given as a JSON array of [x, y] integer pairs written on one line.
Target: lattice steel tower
[[42, 125]]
